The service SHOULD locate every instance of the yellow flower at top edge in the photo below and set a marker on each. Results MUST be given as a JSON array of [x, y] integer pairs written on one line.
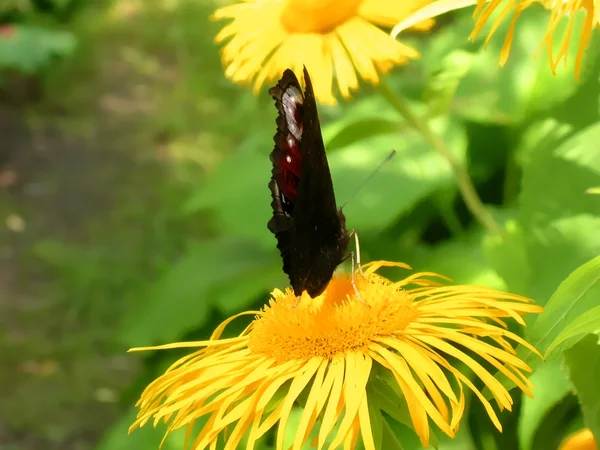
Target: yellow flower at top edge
[[559, 9], [337, 357], [333, 38]]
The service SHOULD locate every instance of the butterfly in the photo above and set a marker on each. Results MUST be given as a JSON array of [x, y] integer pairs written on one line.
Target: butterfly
[[310, 229]]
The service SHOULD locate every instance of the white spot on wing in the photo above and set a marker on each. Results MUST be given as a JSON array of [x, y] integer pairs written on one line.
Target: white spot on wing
[[290, 100], [291, 141]]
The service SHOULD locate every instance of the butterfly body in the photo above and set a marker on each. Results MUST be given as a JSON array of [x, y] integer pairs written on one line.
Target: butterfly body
[[310, 229]]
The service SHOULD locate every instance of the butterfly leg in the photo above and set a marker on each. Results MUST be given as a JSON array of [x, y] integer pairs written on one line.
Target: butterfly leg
[[298, 300], [357, 246], [356, 291]]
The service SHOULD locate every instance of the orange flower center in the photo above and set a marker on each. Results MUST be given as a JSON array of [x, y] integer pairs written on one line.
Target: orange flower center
[[334, 322], [317, 16]]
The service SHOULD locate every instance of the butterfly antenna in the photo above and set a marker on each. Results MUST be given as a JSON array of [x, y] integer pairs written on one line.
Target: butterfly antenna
[[383, 163]]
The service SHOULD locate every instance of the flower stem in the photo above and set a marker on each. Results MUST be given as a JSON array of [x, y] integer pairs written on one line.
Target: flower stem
[[451, 219], [463, 180]]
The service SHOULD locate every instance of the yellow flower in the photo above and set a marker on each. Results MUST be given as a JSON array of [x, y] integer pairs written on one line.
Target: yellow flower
[[582, 440], [331, 37], [559, 9], [329, 349]]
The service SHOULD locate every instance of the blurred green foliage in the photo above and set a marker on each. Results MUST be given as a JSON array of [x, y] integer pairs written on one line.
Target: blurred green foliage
[[35, 33], [185, 243]]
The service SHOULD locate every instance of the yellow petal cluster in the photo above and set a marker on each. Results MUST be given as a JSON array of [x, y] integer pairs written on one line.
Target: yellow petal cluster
[[337, 40], [560, 10], [324, 353]]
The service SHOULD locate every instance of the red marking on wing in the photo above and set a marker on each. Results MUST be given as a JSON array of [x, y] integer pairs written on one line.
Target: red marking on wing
[[290, 163], [291, 168]]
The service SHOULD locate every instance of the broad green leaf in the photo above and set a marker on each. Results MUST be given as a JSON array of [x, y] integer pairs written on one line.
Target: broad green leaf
[[589, 323], [231, 298], [462, 441], [395, 436], [551, 386], [414, 173], [583, 362], [30, 47], [238, 196], [444, 82], [118, 438], [543, 136], [360, 129], [349, 121], [507, 254], [559, 221], [462, 259], [180, 301], [376, 417], [292, 425], [579, 292], [557, 249], [553, 428], [576, 163], [397, 426], [386, 394], [490, 93], [575, 297]]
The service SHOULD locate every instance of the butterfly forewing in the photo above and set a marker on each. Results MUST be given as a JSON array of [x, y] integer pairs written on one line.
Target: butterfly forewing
[[310, 230]]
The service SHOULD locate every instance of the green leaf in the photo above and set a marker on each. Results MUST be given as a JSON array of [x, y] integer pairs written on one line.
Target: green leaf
[[375, 415], [31, 47], [577, 160], [463, 439], [360, 129], [551, 386], [542, 136], [237, 194], [389, 400], [117, 437], [490, 93], [556, 424], [462, 259], [559, 221], [231, 298], [579, 292], [397, 423], [444, 82], [179, 301], [412, 175], [583, 362], [355, 117], [589, 323], [575, 296], [391, 436], [507, 254]]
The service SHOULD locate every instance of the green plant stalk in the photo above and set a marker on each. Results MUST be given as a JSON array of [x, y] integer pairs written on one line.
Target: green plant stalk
[[451, 219], [510, 189], [463, 180]]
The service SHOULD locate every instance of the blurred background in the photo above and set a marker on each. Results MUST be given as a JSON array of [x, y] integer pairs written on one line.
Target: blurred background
[[134, 199]]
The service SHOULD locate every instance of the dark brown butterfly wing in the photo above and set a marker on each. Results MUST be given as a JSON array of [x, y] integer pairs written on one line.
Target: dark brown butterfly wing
[[310, 230]]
